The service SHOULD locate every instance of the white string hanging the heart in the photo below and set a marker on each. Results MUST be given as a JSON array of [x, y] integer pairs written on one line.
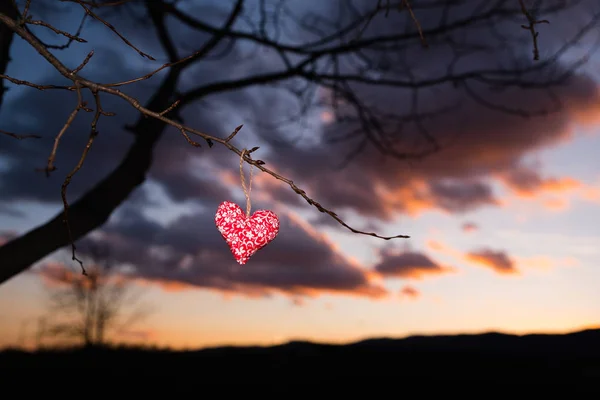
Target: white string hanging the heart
[[245, 234], [242, 178]]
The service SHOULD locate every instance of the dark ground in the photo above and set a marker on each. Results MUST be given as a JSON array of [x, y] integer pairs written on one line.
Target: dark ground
[[487, 355], [540, 359]]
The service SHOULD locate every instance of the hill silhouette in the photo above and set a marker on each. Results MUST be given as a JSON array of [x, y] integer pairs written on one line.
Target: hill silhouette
[[489, 356]]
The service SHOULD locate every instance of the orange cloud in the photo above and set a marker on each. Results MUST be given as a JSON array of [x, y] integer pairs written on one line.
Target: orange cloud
[[419, 195], [541, 263], [469, 227], [409, 292], [558, 185], [298, 301], [256, 291], [498, 261], [555, 204], [586, 114], [327, 117], [527, 182], [409, 265], [590, 193], [55, 274], [445, 249], [165, 285], [545, 263]]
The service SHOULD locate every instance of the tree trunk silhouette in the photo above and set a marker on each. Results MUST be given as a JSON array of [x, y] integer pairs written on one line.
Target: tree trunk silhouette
[[95, 207]]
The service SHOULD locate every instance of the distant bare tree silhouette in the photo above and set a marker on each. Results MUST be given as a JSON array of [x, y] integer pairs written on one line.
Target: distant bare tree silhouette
[[89, 309]]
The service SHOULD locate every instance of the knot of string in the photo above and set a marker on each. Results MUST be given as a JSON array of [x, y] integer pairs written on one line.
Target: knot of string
[[249, 188]]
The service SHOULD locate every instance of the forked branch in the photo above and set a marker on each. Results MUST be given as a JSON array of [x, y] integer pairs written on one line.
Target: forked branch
[[531, 28]]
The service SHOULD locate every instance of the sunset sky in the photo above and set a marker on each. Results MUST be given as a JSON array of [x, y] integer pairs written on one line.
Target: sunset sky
[[503, 220]]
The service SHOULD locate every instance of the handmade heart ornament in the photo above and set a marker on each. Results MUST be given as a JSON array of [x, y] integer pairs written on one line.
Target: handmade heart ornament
[[245, 235]]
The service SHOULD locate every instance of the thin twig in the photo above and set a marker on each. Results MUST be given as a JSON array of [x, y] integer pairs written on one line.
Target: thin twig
[[112, 28], [151, 74], [188, 138], [414, 18], [20, 137], [170, 108], [387, 8], [56, 30], [25, 11], [68, 44], [80, 105], [370, 17], [93, 4], [77, 33], [69, 177], [84, 63], [531, 28], [63, 194], [34, 85], [235, 131]]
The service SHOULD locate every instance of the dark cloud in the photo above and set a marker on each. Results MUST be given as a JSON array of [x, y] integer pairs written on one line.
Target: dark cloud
[[524, 179], [191, 252], [409, 265], [498, 261], [461, 196]]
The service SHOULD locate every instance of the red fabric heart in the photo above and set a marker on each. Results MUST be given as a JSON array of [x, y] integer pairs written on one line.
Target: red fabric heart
[[245, 235]]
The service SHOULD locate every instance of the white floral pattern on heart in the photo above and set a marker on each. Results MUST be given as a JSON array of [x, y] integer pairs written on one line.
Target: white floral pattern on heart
[[245, 236]]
